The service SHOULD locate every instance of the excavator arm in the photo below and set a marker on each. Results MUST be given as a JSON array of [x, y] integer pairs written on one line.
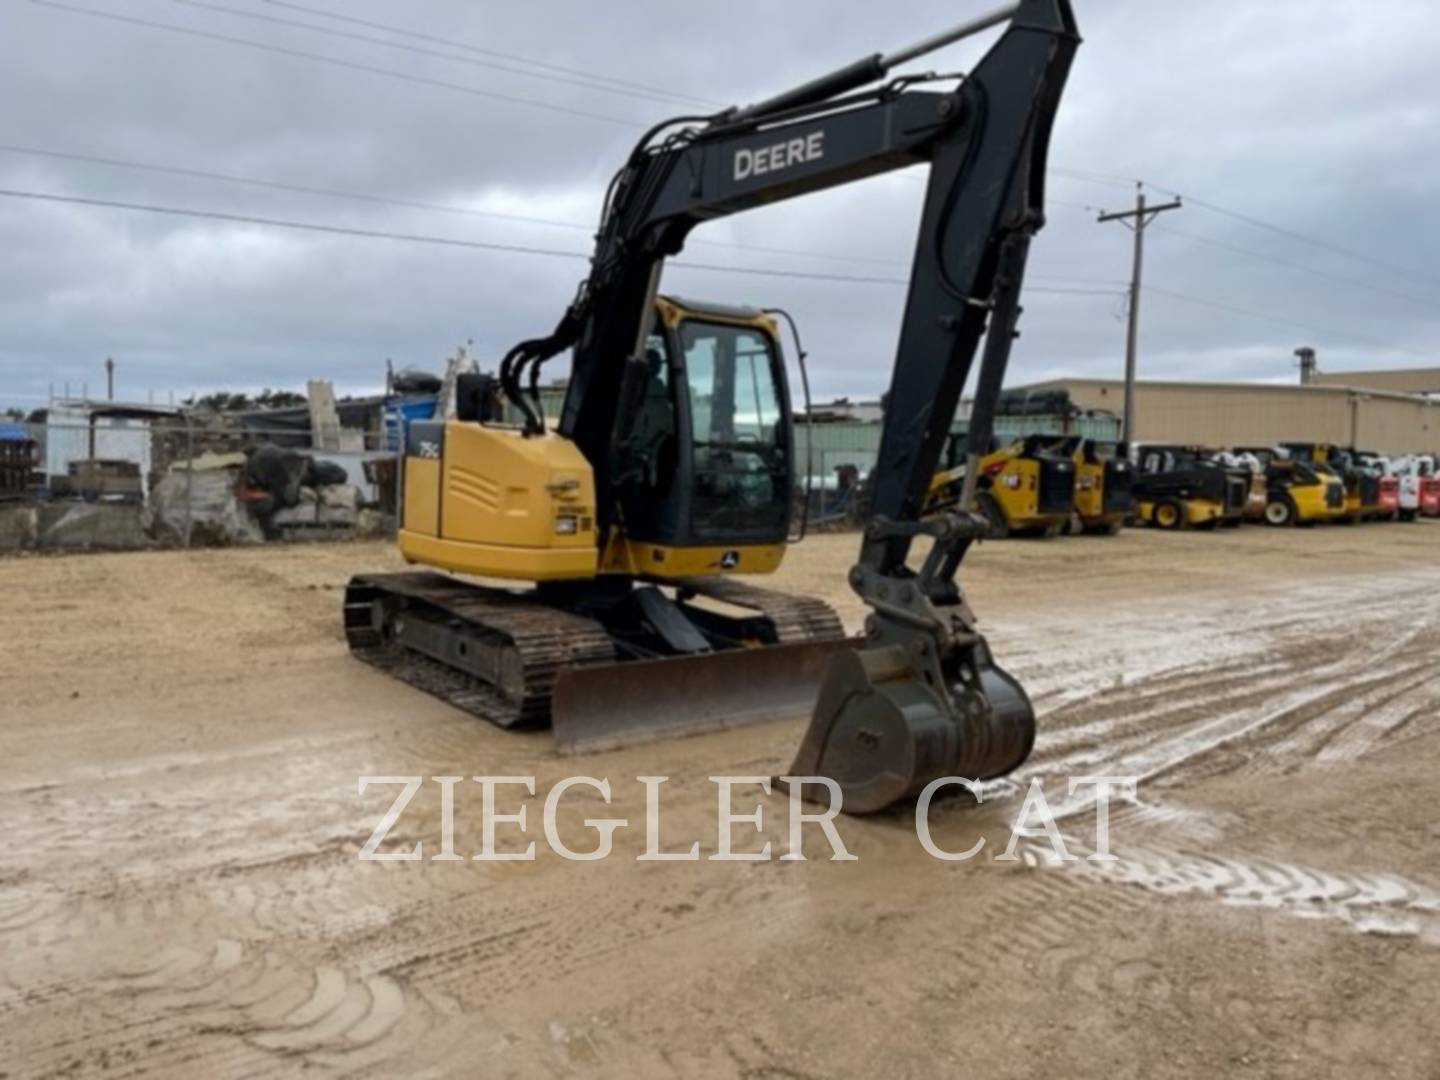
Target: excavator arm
[[922, 699]]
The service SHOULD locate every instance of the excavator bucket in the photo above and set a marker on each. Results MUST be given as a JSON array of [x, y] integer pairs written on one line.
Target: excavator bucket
[[882, 731], [613, 705]]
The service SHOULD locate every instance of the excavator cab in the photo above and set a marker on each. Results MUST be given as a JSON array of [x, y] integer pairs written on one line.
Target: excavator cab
[[702, 478], [704, 465]]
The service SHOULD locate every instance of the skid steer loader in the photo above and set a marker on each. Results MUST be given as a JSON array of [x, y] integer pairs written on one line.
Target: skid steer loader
[[1361, 484], [671, 469], [1428, 466], [1297, 493], [1185, 486]]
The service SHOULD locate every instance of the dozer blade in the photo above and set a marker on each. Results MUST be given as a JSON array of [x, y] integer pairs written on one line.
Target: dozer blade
[[612, 705], [882, 733]]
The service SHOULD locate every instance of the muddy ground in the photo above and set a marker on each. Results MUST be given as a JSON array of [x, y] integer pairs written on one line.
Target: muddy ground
[[180, 892]]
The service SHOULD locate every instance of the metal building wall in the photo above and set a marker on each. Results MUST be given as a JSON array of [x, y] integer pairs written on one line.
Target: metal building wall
[[1237, 414], [1403, 381]]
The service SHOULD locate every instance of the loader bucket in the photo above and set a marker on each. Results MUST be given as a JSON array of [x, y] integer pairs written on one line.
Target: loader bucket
[[613, 705]]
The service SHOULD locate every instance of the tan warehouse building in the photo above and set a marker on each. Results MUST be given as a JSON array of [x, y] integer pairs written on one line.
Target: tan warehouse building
[[1401, 381], [1259, 414]]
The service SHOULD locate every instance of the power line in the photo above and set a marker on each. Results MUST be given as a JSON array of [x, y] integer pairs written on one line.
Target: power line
[[1079, 174], [445, 241], [587, 84], [1301, 267], [1247, 219], [411, 204], [476, 49], [1103, 179], [1324, 245], [1218, 306], [280, 223], [350, 65]]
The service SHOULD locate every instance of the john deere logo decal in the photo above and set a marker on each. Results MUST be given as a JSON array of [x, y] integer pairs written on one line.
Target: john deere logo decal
[[729, 560]]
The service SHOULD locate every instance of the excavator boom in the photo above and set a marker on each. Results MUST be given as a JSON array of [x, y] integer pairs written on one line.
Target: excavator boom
[[922, 698]]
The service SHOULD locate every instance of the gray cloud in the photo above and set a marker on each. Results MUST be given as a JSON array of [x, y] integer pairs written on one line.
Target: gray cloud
[[1321, 116]]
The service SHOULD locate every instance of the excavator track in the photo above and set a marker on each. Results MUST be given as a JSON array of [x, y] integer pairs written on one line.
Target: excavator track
[[498, 655], [525, 644]]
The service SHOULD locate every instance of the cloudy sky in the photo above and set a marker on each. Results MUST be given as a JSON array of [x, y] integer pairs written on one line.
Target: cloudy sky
[[1318, 121]]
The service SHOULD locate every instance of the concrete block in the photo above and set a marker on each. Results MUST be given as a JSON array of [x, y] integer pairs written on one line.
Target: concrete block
[[90, 526], [17, 527]]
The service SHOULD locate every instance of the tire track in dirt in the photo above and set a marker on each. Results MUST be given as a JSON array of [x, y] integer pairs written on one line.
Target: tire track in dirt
[[1380, 903], [185, 995], [1172, 742]]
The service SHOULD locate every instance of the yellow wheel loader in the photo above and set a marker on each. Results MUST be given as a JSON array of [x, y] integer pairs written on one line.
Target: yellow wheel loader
[[671, 469]]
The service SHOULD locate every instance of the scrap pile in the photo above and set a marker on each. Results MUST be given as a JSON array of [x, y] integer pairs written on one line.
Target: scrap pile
[[266, 493]]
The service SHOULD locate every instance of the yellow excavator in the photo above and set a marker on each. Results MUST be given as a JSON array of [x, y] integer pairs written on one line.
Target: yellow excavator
[[671, 469]]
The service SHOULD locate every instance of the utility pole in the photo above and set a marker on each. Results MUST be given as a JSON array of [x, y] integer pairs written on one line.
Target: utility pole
[[1136, 221], [110, 378]]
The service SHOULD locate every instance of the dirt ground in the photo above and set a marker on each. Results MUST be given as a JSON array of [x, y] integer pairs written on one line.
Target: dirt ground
[[181, 893]]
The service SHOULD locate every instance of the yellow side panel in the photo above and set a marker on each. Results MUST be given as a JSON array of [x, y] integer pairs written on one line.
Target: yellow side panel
[[509, 506], [1200, 511], [422, 496], [624, 556], [1310, 501], [491, 560], [1017, 489]]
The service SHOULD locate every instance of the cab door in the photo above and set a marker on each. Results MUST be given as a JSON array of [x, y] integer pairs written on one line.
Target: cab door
[[708, 458]]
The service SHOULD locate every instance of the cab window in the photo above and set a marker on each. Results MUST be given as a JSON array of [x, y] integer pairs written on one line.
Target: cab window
[[738, 434]]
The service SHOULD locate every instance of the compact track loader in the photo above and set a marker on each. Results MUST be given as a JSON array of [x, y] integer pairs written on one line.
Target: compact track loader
[[671, 470]]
